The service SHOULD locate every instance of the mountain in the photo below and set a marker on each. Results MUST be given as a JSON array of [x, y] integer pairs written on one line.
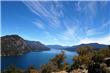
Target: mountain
[[95, 46], [16, 45], [56, 47], [36, 46]]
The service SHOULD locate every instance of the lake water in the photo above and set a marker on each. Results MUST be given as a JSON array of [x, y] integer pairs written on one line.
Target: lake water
[[33, 58]]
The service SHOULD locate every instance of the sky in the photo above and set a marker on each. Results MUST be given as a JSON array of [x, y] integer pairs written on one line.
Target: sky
[[57, 22]]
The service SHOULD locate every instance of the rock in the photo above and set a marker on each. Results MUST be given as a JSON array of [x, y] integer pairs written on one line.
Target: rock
[[60, 72]]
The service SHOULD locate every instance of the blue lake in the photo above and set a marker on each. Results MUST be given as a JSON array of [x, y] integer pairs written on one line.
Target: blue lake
[[33, 58]]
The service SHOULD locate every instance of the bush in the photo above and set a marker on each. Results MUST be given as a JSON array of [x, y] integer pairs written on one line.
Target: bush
[[84, 50], [12, 69], [56, 64]]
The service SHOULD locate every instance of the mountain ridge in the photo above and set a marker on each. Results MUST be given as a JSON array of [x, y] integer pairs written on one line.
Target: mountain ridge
[[16, 45], [96, 46]]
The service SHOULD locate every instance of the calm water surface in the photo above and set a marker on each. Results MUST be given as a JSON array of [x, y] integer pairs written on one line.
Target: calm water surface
[[33, 58]]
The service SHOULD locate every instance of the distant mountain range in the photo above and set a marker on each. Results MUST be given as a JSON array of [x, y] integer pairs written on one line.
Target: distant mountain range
[[16, 45], [95, 46], [58, 47]]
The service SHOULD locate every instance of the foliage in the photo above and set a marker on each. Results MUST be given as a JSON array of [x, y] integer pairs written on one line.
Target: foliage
[[46, 68], [56, 64], [85, 59], [89, 56], [84, 50], [85, 55], [101, 54], [32, 69], [12, 69]]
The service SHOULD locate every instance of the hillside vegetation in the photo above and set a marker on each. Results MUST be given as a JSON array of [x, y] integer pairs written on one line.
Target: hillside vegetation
[[87, 61]]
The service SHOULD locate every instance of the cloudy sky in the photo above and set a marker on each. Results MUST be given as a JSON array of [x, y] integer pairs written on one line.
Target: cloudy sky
[[57, 22]]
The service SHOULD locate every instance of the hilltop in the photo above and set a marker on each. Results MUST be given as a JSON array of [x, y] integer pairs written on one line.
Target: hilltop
[[16, 45]]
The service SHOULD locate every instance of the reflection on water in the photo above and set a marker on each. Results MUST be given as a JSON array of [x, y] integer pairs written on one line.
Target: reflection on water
[[34, 58], [54, 51]]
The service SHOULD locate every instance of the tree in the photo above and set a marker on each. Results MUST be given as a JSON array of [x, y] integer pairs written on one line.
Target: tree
[[46, 68], [32, 69], [12, 69], [85, 55], [85, 50], [55, 64]]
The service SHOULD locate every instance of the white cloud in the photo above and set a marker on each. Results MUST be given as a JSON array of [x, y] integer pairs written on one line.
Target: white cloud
[[101, 40], [93, 32], [37, 8], [39, 24], [52, 15], [69, 36], [51, 11], [96, 31], [70, 31], [86, 7], [106, 24], [90, 32], [78, 5]]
